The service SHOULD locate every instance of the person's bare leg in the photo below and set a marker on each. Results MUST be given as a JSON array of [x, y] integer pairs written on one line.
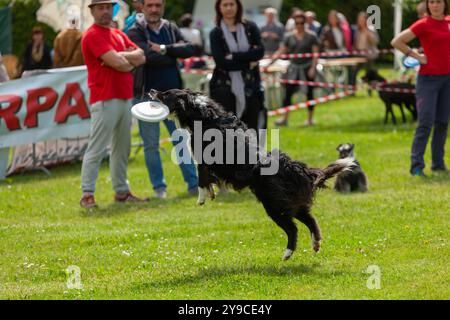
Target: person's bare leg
[[310, 120]]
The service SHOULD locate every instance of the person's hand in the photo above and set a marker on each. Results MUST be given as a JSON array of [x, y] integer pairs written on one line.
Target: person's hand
[[265, 34], [312, 72], [154, 46], [422, 58]]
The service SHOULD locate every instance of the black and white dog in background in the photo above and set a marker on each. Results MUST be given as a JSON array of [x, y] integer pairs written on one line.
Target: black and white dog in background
[[350, 180], [285, 195]]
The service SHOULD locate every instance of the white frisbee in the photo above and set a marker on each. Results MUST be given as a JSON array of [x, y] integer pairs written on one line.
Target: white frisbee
[[150, 111]]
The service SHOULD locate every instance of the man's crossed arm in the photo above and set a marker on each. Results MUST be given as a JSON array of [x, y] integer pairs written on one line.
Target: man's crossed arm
[[124, 61]]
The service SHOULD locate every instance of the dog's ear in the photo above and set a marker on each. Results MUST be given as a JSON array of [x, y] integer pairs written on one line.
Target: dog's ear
[[182, 103], [190, 98], [339, 147]]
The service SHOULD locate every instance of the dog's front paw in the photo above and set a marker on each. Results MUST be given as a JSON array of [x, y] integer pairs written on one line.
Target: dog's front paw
[[287, 254]]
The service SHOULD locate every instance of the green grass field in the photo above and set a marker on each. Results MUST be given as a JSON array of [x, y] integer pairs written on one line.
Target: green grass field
[[230, 249]]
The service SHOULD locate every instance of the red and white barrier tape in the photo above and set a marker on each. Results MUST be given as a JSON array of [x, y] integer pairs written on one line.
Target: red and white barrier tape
[[197, 59], [196, 71], [309, 103], [317, 84], [381, 88], [306, 55], [335, 54]]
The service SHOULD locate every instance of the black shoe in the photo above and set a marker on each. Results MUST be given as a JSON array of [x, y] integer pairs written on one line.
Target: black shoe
[[440, 170]]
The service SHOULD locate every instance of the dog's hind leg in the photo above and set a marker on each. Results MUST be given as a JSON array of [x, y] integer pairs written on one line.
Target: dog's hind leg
[[412, 109], [342, 186], [362, 183], [304, 216], [284, 221], [391, 111], [403, 113], [386, 116]]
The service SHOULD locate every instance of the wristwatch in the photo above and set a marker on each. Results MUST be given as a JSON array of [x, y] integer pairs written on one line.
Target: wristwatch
[[163, 49], [410, 50]]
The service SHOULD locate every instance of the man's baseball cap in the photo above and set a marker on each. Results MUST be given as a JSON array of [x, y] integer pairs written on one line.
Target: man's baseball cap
[[94, 2]]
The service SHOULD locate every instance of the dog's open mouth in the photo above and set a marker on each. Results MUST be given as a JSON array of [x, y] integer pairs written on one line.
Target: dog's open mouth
[[154, 95]]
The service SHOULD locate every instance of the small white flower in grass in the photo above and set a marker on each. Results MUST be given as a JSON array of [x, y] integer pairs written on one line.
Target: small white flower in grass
[[216, 251], [127, 253]]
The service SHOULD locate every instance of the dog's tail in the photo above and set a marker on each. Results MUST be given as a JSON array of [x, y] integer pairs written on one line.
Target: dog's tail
[[322, 175]]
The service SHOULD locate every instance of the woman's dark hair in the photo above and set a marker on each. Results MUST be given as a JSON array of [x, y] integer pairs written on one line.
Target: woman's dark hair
[[294, 10], [186, 20], [239, 13], [36, 30], [445, 9]]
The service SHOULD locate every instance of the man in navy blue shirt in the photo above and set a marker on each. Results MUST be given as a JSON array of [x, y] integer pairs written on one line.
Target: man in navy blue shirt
[[163, 44]]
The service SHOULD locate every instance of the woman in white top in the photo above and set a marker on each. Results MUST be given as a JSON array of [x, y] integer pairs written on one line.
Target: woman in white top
[[190, 34], [332, 37]]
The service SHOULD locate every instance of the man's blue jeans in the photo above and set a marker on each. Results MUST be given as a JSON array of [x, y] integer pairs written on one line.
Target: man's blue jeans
[[150, 133]]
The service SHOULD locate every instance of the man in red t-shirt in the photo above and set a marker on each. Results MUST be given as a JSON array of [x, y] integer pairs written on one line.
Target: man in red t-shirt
[[109, 56]]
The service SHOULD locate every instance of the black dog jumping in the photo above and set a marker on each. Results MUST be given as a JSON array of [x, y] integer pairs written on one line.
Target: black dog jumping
[[350, 180], [285, 195]]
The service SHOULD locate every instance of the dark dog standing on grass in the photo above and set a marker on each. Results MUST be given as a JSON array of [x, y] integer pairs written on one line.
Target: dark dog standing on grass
[[352, 180], [285, 195], [393, 98]]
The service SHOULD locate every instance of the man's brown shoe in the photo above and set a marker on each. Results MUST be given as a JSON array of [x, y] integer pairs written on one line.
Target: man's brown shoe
[[88, 202], [129, 197]]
